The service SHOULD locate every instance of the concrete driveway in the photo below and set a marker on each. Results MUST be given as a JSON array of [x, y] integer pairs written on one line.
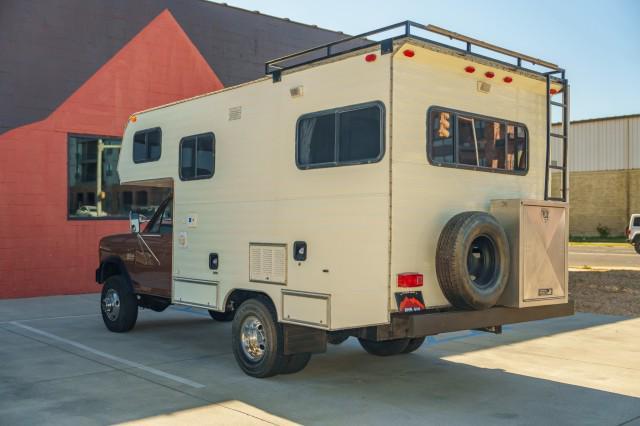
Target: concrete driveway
[[59, 365], [602, 256]]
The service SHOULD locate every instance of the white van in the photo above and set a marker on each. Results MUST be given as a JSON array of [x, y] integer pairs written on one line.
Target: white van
[[383, 189]]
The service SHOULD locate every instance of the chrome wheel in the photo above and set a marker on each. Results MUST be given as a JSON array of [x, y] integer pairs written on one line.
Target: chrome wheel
[[111, 304], [252, 337]]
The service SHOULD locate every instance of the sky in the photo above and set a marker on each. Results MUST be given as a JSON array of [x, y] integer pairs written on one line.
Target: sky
[[597, 42]]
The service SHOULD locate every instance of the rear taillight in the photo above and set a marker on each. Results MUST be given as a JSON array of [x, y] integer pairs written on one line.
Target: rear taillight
[[409, 279], [627, 231]]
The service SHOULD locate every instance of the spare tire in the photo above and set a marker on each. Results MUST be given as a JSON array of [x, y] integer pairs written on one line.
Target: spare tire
[[472, 260]]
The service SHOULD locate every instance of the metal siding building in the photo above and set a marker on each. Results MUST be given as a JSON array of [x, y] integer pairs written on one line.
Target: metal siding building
[[604, 166]]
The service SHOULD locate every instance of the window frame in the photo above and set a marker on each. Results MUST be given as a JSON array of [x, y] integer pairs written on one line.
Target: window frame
[[337, 111], [454, 125], [213, 150], [146, 145], [85, 218]]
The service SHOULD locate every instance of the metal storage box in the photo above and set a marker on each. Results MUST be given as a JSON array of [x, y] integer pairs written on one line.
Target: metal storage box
[[538, 233]]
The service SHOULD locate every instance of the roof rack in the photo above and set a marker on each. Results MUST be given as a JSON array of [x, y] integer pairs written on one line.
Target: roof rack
[[275, 67]]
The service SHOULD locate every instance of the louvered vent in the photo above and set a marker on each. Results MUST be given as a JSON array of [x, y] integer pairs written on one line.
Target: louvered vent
[[235, 113], [268, 263]]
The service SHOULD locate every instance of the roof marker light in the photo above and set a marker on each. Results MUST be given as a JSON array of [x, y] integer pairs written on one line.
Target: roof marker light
[[133, 119], [507, 79], [408, 53], [553, 91], [370, 57], [470, 69], [489, 74]]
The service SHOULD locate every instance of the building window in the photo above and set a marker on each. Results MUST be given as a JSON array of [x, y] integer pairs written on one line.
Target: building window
[[197, 157], [342, 136], [147, 145], [460, 139], [111, 200]]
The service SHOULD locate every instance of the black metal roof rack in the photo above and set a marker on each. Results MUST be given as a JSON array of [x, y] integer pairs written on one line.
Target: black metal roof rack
[[275, 67]]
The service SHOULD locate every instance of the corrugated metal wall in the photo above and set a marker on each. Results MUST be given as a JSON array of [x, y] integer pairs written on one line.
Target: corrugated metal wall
[[607, 144]]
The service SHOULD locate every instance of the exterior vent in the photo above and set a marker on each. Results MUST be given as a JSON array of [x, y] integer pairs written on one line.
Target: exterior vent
[[235, 113], [484, 87], [268, 263]]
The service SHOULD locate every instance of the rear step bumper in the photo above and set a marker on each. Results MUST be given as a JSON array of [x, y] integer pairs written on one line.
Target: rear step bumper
[[431, 323]]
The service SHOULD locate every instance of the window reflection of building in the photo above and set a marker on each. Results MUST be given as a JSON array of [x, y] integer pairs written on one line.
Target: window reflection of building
[[118, 200]]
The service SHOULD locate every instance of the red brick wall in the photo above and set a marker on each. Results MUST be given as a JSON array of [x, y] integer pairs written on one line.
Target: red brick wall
[[41, 251]]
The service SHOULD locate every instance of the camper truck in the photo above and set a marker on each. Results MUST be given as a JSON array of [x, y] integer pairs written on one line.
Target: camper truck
[[382, 188]]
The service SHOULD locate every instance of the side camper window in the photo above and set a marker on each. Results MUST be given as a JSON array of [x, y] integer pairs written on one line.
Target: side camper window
[[197, 156], [147, 145], [341, 136], [465, 140]]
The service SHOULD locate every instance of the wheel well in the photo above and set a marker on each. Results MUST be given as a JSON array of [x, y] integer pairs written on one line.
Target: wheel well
[[113, 266], [238, 296], [109, 269]]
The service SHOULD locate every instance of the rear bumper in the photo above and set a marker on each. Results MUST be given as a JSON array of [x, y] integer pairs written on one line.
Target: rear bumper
[[431, 323]]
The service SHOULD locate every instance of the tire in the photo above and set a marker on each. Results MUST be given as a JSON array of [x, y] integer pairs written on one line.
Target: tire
[[222, 316], [414, 344], [384, 348], [295, 363], [637, 247], [118, 304], [472, 260], [260, 354]]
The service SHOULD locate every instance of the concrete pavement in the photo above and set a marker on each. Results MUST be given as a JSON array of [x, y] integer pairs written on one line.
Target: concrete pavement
[[606, 257], [59, 365]]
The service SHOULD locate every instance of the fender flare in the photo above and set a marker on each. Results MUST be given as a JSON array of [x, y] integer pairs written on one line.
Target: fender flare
[[107, 267]]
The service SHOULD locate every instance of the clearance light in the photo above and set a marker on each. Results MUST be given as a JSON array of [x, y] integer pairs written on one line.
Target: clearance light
[[133, 119], [553, 91], [470, 69], [408, 53], [409, 279], [489, 74], [507, 79], [370, 57]]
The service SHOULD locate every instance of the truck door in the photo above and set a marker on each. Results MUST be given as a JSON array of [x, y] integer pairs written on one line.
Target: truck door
[[152, 260]]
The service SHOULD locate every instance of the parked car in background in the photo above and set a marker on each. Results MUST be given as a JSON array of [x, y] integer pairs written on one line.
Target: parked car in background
[[88, 211], [633, 231]]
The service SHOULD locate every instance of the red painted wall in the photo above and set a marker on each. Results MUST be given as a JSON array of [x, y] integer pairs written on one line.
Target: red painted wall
[[41, 251]]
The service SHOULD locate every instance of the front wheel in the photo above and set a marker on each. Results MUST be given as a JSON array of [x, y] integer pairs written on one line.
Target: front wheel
[[118, 304], [257, 339]]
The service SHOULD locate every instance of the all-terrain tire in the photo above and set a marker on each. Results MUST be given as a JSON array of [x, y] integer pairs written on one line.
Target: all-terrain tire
[[267, 358], [222, 316], [118, 304], [414, 344], [637, 247], [384, 348], [473, 260], [295, 363]]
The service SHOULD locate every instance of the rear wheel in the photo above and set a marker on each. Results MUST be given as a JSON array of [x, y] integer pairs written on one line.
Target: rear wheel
[[257, 339], [118, 304], [636, 246], [294, 363], [222, 316], [384, 348], [414, 344]]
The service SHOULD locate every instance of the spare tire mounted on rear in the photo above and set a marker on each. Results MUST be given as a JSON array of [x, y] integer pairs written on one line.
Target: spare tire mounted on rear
[[472, 260]]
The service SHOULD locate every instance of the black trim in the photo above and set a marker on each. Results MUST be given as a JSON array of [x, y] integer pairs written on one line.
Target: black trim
[[146, 144], [337, 111], [213, 151], [122, 268], [454, 124]]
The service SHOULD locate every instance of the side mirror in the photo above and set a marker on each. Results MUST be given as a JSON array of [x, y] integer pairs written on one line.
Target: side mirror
[[134, 222]]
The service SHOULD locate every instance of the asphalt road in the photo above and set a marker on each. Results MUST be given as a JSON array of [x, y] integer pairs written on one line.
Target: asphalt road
[[60, 366], [617, 257]]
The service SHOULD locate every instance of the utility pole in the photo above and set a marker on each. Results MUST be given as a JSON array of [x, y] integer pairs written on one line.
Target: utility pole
[[101, 148]]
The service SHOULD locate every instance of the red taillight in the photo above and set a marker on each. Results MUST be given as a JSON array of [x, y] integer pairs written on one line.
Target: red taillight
[[627, 231], [408, 53], [409, 279], [470, 69], [370, 57], [507, 79], [489, 74]]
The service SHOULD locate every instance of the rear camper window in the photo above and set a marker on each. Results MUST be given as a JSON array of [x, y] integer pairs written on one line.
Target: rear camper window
[[197, 157], [342, 136], [460, 139], [147, 145]]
